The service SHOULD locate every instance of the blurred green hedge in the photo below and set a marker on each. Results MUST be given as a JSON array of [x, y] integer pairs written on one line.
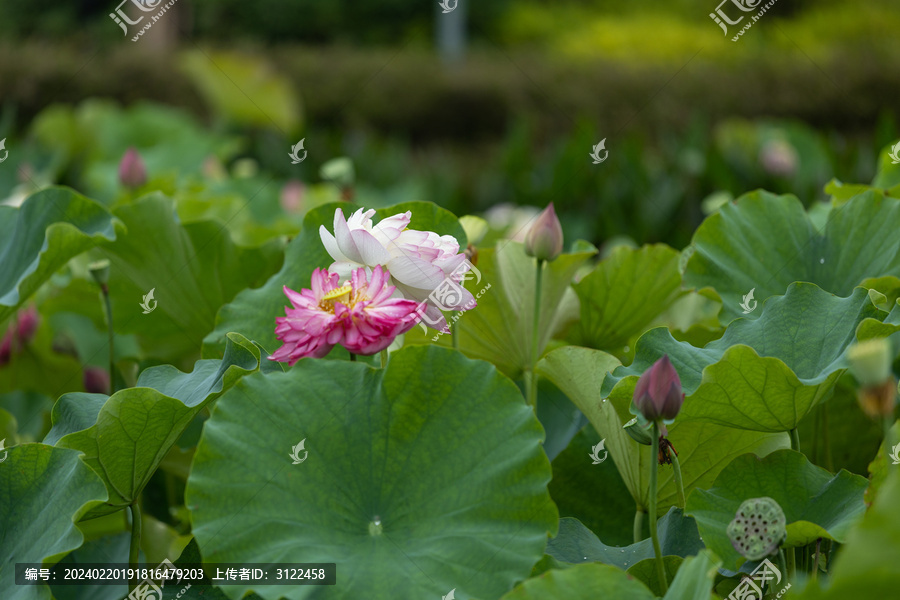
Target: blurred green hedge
[[409, 93]]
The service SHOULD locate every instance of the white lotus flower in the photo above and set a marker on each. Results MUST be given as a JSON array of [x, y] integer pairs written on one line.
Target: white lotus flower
[[418, 261]]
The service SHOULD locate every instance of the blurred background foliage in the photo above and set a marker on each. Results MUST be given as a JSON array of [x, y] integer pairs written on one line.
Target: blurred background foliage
[[217, 92]]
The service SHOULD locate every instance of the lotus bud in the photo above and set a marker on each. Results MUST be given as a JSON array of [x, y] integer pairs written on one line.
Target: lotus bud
[[27, 324], [759, 527], [870, 361], [339, 171], [292, 196], [6, 348], [132, 172], [96, 380], [99, 270], [658, 394], [638, 433], [544, 240], [475, 228]]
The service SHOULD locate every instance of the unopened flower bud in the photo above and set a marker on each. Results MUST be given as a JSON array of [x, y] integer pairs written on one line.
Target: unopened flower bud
[[658, 394], [870, 361], [292, 196], [96, 380], [132, 172], [27, 324], [758, 528], [544, 240]]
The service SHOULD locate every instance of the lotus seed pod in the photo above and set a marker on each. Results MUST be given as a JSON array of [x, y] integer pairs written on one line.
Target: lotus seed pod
[[758, 528]]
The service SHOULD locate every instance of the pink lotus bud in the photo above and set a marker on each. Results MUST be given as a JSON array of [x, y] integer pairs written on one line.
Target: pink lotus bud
[[544, 240], [658, 394], [27, 324], [6, 348], [96, 380], [132, 172], [292, 196]]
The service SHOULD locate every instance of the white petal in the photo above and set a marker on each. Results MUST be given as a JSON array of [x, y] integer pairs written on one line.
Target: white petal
[[330, 244]]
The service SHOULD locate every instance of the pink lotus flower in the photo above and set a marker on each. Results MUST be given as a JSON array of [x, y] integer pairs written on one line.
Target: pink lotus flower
[[360, 315], [418, 261]]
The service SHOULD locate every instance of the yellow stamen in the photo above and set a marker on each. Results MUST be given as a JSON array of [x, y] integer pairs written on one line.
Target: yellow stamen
[[338, 293]]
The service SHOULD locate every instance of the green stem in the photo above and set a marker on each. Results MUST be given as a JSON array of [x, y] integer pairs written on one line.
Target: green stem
[[654, 463], [134, 550], [782, 564], [109, 326], [454, 339], [816, 428], [887, 437], [679, 483], [791, 563], [829, 463], [352, 357], [815, 565], [531, 386], [384, 358], [638, 525], [795, 440]]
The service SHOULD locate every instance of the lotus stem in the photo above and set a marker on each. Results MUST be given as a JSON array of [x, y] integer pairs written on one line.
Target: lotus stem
[[654, 535], [384, 358], [638, 524], [135, 549], [679, 483], [829, 464], [815, 565], [782, 564], [531, 379], [795, 440], [104, 289], [352, 357]]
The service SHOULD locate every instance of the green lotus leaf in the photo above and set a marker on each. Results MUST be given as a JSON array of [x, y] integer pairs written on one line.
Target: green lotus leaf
[[766, 242], [43, 491], [704, 449], [575, 543], [816, 503], [252, 313], [105, 550], [583, 582], [416, 479], [764, 374], [192, 268], [500, 328], [125, 436], [51, 227], [590, 581], [624, 293], [593, 494], [866, 565]]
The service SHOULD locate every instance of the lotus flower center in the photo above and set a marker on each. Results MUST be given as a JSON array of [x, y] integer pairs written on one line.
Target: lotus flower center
[[342, 294]]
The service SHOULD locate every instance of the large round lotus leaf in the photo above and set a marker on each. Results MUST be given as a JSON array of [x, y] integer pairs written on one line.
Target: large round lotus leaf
[[766, 242], [418, 479], [765, 374], [43, 492]]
